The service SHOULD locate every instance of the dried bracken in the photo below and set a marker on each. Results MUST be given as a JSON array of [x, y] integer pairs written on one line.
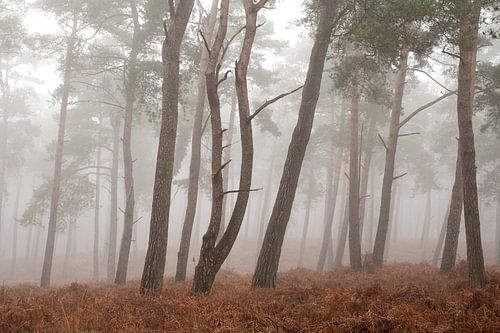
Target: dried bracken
[[400, 298]]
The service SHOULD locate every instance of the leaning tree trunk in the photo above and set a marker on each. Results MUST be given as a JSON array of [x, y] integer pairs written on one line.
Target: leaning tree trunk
[[56, 180], [342, 238], [453, 223], [128, 161], [468, 30], [95, 273], [213, 254], [194, 166], [390, 157], [154, 266], [333, 180], [113, 218], [267, 264], [354, 234]]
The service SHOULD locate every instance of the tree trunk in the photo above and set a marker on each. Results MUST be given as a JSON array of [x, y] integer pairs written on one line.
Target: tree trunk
[[267, 264], [95, 272], [468, 29], [425, 230], [440, 242], [16, 222], [225, 173], [453, 223], [342, 238], [67, 253], [393, 218], [194, 167], [56, 180], [113, 218], [333, 180], [354, 233], [128, 161], [264, 213], [306, 217], [497, 237], [154, 267], [211, 255], [366, 171], [390, 157]]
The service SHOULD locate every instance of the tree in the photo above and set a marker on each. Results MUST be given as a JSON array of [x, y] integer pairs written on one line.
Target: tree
[[267, 264], [152, 277]]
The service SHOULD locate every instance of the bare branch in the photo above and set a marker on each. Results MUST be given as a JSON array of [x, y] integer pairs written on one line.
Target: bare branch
[[426, 106], [274, 100], [400, 176], [430, 77], [224, 78], [409, 134], [383, 142], [205, 42], [450, 54], [239, 191]]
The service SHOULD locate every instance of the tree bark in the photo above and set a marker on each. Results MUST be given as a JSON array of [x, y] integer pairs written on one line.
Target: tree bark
[[56, 180], [454, 217], [267, 264], [390, 157], [113, 218], [128, 161], [440, 242], [194, 167], [354, 233], [154, 267], [468, 31]]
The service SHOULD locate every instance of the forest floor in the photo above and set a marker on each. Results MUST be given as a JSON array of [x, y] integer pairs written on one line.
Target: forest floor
[[400, 298]]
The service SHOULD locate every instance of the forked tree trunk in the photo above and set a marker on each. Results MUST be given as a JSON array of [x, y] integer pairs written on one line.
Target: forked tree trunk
[[468, 31], [128, 161], [453, 222], [58, 161], [390, 158], [354, 233], [154, 267], [194, 166], [333, 180], [306, 218], [213, 253], [113, 218], [269, 257]]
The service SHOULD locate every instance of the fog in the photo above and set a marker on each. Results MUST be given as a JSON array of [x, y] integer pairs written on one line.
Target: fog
[[33, 64]]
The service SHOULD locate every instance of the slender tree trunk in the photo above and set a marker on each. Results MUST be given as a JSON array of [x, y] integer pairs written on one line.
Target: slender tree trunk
[[194, 167], [28, 244], [468, 29], [371, 210], [113, 218], [333, 181], [453, 223], [342, 238], [393, 220], [354, 232], [497, 237], [268, 262], [227, 156], [128, 161], [264, 212], [3, 150], [95, 273], [425, 230], [306, 217], [366, 171], [440, 242], [154, 267], [390, 157], [67, 253], [211, 255], [56, 180], [16, 223]]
